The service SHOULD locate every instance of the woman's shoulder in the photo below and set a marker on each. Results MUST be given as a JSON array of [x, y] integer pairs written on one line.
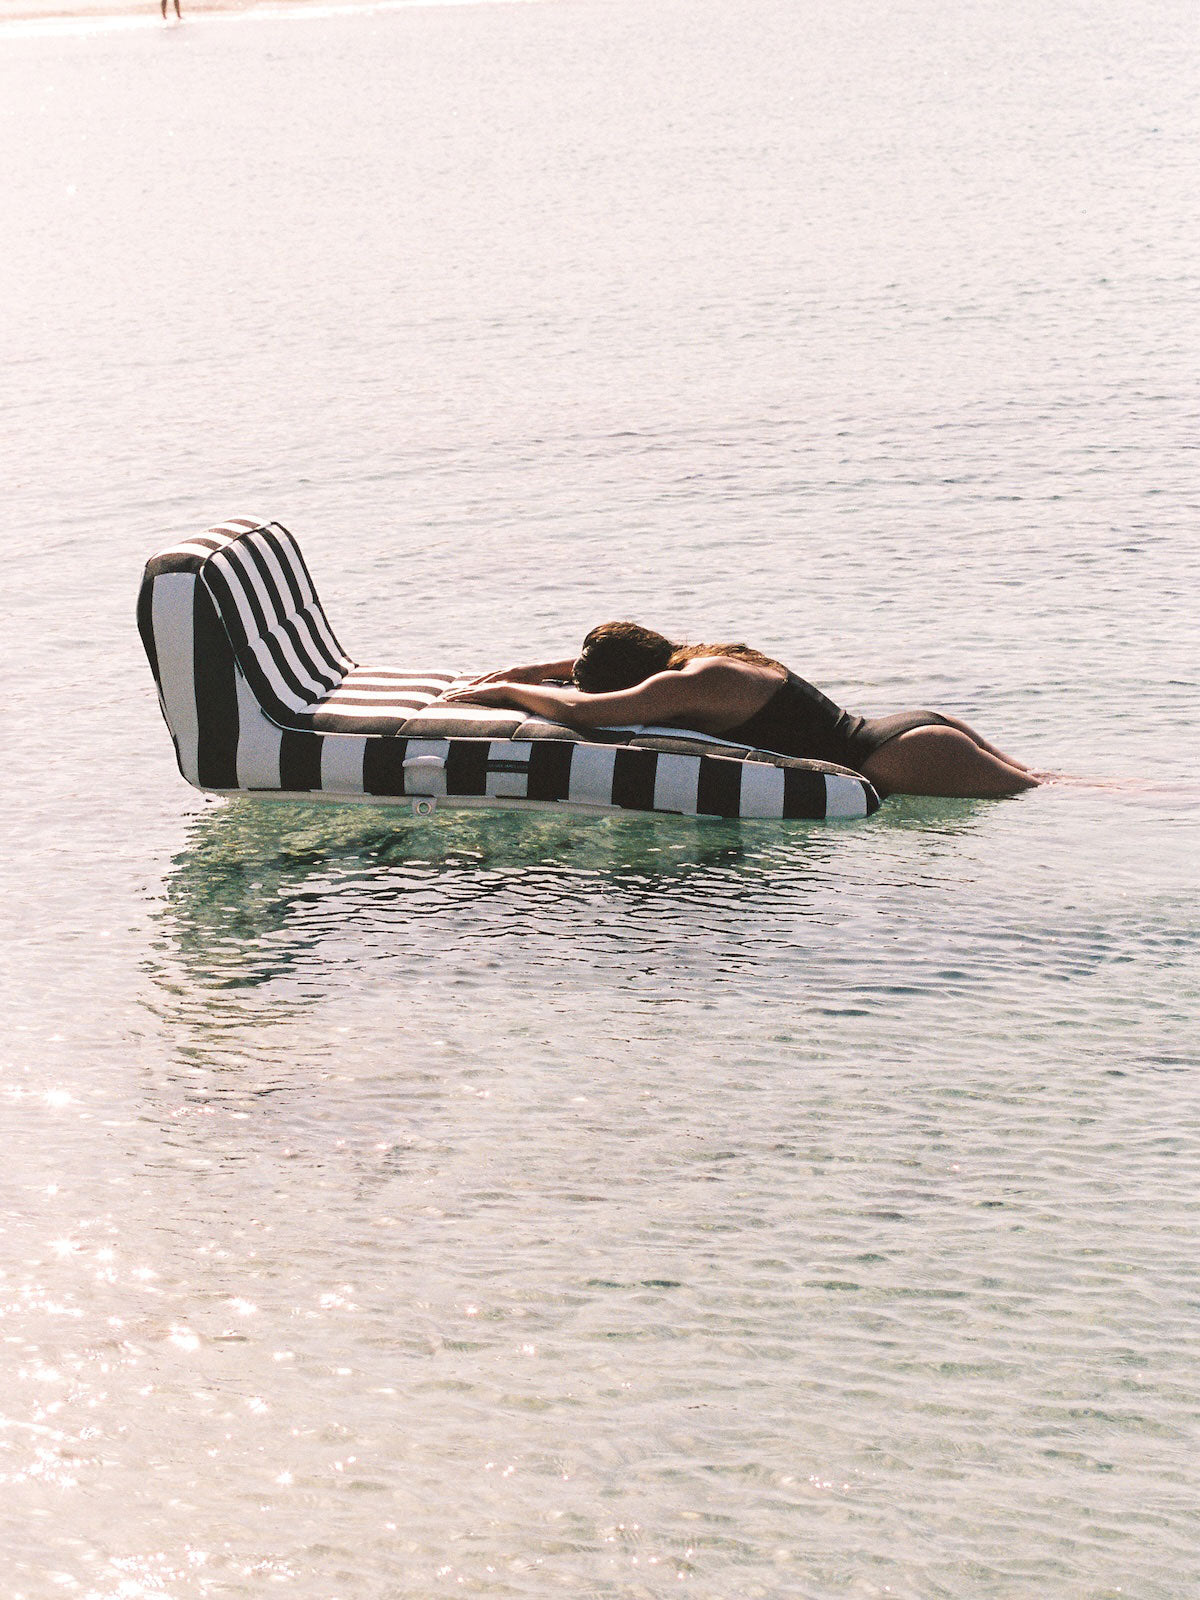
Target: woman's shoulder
[[724, 661], [722, 668], [728, 690]]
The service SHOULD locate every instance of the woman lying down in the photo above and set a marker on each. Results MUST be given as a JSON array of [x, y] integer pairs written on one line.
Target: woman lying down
[[629, 674]]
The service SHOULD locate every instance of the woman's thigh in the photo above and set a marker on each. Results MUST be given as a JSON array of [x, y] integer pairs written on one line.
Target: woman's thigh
[[943, 761], [984, 744]]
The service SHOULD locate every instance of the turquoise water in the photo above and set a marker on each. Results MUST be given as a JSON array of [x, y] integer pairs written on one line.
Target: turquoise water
[[522, 1206]]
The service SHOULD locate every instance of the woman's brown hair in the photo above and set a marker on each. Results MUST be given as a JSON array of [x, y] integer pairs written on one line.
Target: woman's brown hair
[[619, 655]]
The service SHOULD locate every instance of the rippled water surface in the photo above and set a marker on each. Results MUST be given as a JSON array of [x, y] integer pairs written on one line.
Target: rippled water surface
[[524, 1205]]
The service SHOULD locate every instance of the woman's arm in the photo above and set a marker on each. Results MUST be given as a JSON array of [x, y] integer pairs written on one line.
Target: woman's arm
[[710, 689], [535, 672]]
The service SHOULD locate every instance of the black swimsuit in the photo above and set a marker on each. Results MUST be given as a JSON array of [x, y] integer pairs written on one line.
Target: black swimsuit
[[798, 720]]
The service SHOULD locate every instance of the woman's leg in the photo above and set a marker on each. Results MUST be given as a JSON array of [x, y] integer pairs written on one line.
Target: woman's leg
[[944, 761], [1009, 761]]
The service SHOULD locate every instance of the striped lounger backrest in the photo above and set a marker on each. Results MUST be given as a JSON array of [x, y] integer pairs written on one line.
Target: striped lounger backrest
[[240, 645], [254, 583]]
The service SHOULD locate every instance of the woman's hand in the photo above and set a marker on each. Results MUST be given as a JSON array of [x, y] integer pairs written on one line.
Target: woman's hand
[[534, 672], [509, 675], [540, 699], [487, 691]]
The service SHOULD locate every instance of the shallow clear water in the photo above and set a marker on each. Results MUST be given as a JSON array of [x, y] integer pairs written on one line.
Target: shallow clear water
[[524, 1205]]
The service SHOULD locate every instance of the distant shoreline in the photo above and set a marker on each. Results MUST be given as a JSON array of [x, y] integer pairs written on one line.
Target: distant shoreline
[[61, 14], [72, 10]]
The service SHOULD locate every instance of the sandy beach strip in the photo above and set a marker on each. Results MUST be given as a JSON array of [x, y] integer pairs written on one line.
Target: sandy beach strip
[[26, 11], [53, 16]]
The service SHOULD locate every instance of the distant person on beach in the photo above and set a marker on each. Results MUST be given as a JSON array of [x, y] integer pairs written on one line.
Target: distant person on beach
[[629, 674], [178, 13]]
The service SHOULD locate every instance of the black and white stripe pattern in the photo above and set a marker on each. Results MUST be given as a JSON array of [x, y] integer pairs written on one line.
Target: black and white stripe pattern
[[260, 696]]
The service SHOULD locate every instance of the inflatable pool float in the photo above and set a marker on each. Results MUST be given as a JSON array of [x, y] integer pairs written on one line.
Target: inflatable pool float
[[261, 699]]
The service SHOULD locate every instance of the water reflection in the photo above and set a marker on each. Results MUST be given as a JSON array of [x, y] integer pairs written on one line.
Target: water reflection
[[259, 888], [272, 910]]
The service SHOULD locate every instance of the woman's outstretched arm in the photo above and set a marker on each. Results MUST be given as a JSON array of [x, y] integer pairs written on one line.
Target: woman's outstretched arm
[[533, 672], [710, 690]]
